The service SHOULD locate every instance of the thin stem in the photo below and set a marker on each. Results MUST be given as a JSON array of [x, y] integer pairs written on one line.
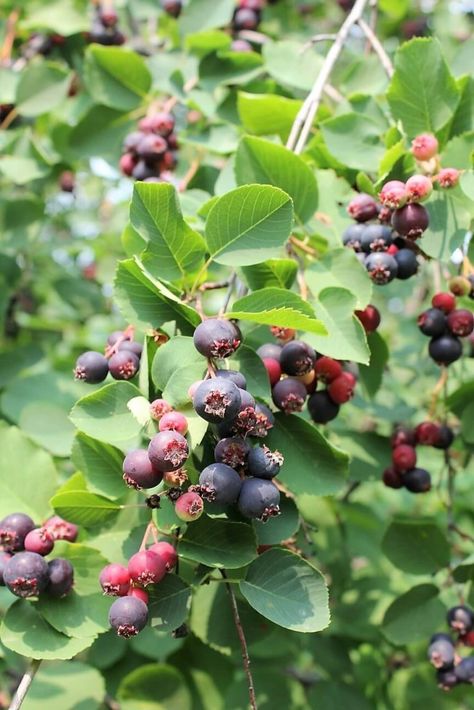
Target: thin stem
[[192, 170], [24, 686], [385, 60], [10, 29], [229, 293], [350, 490], [438, 388], [243, 642]]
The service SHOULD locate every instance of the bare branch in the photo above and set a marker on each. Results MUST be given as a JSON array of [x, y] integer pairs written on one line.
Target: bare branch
[[376, 44], [24, 686]]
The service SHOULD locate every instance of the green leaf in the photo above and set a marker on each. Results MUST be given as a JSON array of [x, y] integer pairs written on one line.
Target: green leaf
[[87, 563], [287, 590], [449, 222], [154, 687], [247, 225], [66, 17], [84, 508], [276, 306], [23, 469], [24, 631], [354, 140], [416, 546], [104, 414], [280, 527], [289, 64], [413, 616], [267, 114], [340, 268], [464, 571], [172, 356], [42, 87], [146, 302], [371, 375], [174, 249], [251, 366], [219, 543], [227, 67], [66, 685], [76, 616], [330, 694], [169, 604], [205, 15], [422, 94], [99, 132], [260, 161], [100, 463], [274, 272], [311, 464], [116, 77]]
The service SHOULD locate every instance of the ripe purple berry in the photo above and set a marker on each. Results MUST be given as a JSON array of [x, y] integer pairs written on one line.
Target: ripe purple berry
[[322, 408], [124, 365], [417, 480], [146, 568], [407, 263], [465, 670], [4, 558], [139, 472], [264, 463], [432, 322], [216, 338], [13, 531], [26, 574], [232, 451], [219, 483], [461, 322], [151, 147], [245, 19], [441, 654], [91, 367], [445, 350], [115, 580], [382, 267], [362, 208], [189, 506], [289, 395], [352, 236], [297, 358], [447, 679], [376, 237], [168, 450], [40, 541], [133, 346], [411, 220], [460, 618], [270, 350], [217, 400], [259, 499], [445, 437], [236, 377], [61, 577], [128, 616]]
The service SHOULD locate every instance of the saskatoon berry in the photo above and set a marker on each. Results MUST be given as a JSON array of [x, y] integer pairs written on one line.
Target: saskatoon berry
[[91, 367], [172, 7], [404, 458], [26, 574], [189, 506], [403, 435], [270, 350], [465, 670], [61, 529], [448, 177], [158, 408], [217, 400], [445, 437], [459, 286], [419, 188], [255, 5], [236, 377], [352, 236], [127, 164], [133, 346], [13, 531], [40, 541], [382, 267], [297, 358], [259, 499], [167, 553], [424, 146], [116, 336], [245, 19], [341, 390], [407, 263], [392, 478], [128, 616], [232, 451], [411, 220], [130, 146], [417, 480], [446, 302], [138, 593], [322, 408], [124, 365], [460, 618], [174, 421], [216, 337], [393, 194], [61, 577], [142, 171], [273, 369], [4, 558], [264, 421], [445, 350], [427, 433], [168, 450], [241, 45], [139, 472], [115, 580], [432, 322], [461, 322], [362, 208], [151, 147], [447, 679], [264, 463], [146, 568], [376, 237], [327, 369], [246, 400], [220, 484], [370, 318], [289, 395], [441, 635], [441, 653]]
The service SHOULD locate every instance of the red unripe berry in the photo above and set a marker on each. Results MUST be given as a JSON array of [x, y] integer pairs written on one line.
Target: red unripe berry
[[61, 529], [146, 568], [327, 369], [392, 250], [404, 458], [403, 435], [419, 188], [427, 433], [189, 506], [138, 593], [273, 369], [392, 478], [115, 580], [370, 318], [461, 322], [167, 553], [342, 388], [424, 146], [448, 177], [362, 208], [468, 639], [393, 194], [40, 541], [283, 334], [127, 163], [446, 302], [173, 421], [158, 408], [350, 378]]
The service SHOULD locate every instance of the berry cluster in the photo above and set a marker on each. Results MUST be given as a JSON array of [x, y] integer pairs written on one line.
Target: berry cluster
[[23, 546], [247, 16], [451, 668], [149, 154], [121, 359], [445, 325], [403, 471], [424, 149], [104, 28], [128, 614]]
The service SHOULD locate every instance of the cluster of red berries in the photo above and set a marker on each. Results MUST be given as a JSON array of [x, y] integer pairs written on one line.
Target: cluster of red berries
[[149, 154], [121, 359], [445, 325], [403, 472], [128, 614], [424, 149], [104, 29], [451, 668], [23, 547]]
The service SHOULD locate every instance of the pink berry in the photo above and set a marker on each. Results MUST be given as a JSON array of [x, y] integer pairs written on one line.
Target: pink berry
[[193, 388], [127, 163], [424, 146], [146, 568], [61, 529], [40, 541], [419, 188], [362, 208], [138, 593], [115, 580], [393, 194], [273, 369], [173, 421], [167, 553], [404, 458], [189, 506], [158, 408], [448, 177]]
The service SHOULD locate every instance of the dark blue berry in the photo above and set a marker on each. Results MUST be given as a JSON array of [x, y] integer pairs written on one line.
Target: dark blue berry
[[128, 616], [13, 530], [216, 338], [264, 463], [259, 499], [447, 679], [445, 350], [61, 577], [465, 670], [220, 484], [26, 574], [432, 322], [445, 437], [232, 451], [322, 408], [270, 350], [133, 346], [460, 618], [382, 267], [264, 421], [375, 237], [297, 358], [217, 400], [352, 236], [91, 367], [124, 365], [236, 377], [441, 653], [407, 263], [417, 480]]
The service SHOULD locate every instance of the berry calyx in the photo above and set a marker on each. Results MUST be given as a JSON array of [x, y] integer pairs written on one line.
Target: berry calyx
[[289, 395], [283, 334], [369, 317], [146, 568], [167, 553], [158, 408], [61, 529], [217, 400], [419, 188], [139, 472], [232, 451], [216, 338], [26, 574], [168, 451], [174, 421], [445, 302], [189, 506], [404, 458], [393, 194], [91, 367], [40, 541], [424, 147], [115, 580], [264, 463], [128, 616]]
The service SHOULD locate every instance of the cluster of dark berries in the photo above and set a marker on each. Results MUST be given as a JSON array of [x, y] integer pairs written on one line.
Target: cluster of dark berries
[[121, 359], [172, 7], [23, 547], [445, 325], [129, 613], [403, 471], [247, 16], [149, 154], [104, 28], [451, 668]]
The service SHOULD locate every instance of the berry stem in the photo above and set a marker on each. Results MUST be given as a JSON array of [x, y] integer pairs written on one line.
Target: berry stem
[[10, 30], [438, 388], [150, 530], [376, 45], [228, 296], [24, 686], [243, 641]]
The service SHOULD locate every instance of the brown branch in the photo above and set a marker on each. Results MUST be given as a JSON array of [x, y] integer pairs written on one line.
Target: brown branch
[[192, 170], [10, 29], [299, 244], [438, 388], [24, 686], [377, 46]]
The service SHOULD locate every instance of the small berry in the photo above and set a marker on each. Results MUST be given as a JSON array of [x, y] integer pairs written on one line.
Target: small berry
[[264, 421], [124, 365], [465, 670], [241, 45], [133, 346], [341, 390], [382, 267], [40, 541], [461, 322], [352, 236], [327, 369], [167, 553], [448, 177], [392, 478], [115, 580], [236, 377], [432, 322], [461, 619], [403, 435], [322, 408], [468, 639], [146, 568], [61, 577], [426, 433], [411, 220], [385, 215], [283, 334], [4, 558], [13, 531], [270, 350], [264, 463], [445, 437], [189, 506], [445, 350], [174, 421], [158, 408], [116, 336], [161, 123], [297, 358], [370, 318], [61, 529], [393, 194], [362, 208], [151, 147], [67, 181], [424, 146], [217, 400], [441, 653], [460, 286], [143, 171], [168, 451], [130, 144], [127, 164], [138, 593], [404, 458], [289, 395], [446, 679], [192, 389], [273, 369], [219, 483], [232, 451], [417, 480], [419, 188], [91, 367], [259, 499], [245, 19], [128, 616], [446, 302], [216, 338], [407, 263], [376, 237], [26, 574], [139, 472]]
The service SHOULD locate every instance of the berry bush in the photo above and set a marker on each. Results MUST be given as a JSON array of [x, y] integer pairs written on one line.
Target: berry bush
[[237, 336]]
